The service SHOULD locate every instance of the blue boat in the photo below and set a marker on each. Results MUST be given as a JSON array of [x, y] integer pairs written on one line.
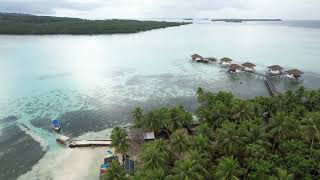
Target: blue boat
[[56, 124]]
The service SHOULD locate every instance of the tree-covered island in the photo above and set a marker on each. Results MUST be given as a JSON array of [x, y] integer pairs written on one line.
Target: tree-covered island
[[276, 138], [21, 24]]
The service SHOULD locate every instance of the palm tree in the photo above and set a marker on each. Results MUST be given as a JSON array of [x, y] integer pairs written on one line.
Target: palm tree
[[115, 172], [228, 138], [158, 174], [281, 127], [254, 133], [187, 169], [155, 155], [311, 128], [201, 142], [119, 140], [283, 174], [199, 91], [228, 169], [175, 120], [179, 142], [243, 110], [138, 116], [154, 121], [204, 129]]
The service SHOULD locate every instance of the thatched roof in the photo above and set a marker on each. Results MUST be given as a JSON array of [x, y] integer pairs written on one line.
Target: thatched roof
[[248, 64], [234, 67], [225, 59], [196, 55], [295, 72], [275, 67]]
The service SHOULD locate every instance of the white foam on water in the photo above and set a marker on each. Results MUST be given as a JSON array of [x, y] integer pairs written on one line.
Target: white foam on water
[[43, 143], [70, 164]]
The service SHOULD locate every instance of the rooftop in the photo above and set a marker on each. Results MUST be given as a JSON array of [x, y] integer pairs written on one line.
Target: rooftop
[[248, 64], [275, 67], [295, 72], [234, 67], [225, 59]]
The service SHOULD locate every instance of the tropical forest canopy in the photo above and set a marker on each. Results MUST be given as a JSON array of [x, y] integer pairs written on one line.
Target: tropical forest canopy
[[261, 138], [28, 24]]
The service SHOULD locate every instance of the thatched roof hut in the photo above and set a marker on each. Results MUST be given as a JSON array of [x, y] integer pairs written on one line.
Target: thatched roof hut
[[225, 59], [294, 73], [196, 57], [275, 68], [248, 65], [234, 68]]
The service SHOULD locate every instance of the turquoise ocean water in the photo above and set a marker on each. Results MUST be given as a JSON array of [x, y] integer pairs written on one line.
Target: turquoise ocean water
[[93, 82]]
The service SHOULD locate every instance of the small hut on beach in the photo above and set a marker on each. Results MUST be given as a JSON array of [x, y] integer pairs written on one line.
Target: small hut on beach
[[226, 61], [275, 70], [234, 68], [196, 57], [248, 66], [294, 74]]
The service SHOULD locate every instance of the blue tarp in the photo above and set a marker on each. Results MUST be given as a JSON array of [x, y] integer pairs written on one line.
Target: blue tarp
[[55, 122], [105, 166]]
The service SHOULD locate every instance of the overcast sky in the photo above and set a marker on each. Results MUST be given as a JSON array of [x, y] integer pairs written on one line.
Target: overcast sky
[[103, 9]]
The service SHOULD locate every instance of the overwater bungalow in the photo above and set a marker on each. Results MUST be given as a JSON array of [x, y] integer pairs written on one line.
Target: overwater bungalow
[[197, 58], [225, 61], [212, 59], [294, 74], [248, 66], [234, 68], [275, 70]]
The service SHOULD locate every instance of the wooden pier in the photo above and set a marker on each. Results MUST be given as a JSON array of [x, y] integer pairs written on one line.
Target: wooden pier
[[273, 91], [89, 143]]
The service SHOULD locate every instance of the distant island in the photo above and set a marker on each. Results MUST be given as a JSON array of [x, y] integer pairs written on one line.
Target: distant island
[[25, 24], [242, 20]]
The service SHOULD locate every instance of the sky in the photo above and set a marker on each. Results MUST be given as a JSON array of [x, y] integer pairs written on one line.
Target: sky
[[133, 9]]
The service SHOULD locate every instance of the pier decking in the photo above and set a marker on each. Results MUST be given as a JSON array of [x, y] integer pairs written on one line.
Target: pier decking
[[89, 143], [273, 91]]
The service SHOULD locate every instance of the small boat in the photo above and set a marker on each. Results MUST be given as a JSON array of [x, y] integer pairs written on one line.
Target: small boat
[[56, 125], [63, 140]]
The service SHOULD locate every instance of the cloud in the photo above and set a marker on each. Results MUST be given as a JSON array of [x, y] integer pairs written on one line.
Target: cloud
[[288, 9]]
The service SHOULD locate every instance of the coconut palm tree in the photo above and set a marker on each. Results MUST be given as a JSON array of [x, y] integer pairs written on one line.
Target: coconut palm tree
[[229, 139], [155, 155], [254, 133], [187, 169], [311, 128], [115, 172], [280, 127], [138, 116], [199, 91], [158, 174], [282, 174], [154, 120], [204, 129], [228, 169], [242, 110], [119, 140], [179, 142], [175, 120]]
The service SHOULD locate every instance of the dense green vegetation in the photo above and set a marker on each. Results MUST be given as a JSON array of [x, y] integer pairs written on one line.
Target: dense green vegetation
[[261, 138], [28, 24]]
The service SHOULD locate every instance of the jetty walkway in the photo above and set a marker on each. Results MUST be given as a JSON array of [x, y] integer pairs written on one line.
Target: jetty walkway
[[272, 89], [89, 143]]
